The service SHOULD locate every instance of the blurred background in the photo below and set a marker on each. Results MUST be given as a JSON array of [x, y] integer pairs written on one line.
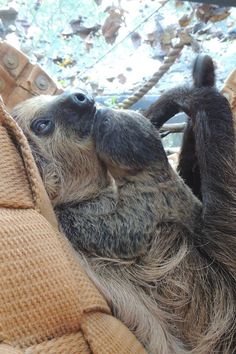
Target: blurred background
[[111, 48]]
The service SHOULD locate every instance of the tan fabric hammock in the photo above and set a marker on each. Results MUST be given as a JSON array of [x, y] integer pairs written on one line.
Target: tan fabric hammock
[[47, 303]]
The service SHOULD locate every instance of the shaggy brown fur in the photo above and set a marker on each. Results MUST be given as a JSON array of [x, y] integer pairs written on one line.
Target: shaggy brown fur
[[166, 266]]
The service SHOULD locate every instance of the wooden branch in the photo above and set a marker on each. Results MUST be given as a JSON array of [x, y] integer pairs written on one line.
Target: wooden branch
[[170, 151], [173, 128]]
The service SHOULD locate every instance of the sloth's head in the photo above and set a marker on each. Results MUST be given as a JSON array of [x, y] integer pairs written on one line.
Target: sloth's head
[[75, 145]]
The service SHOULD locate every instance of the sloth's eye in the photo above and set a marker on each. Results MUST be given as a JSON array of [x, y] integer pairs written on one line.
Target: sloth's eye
[[42, 127]]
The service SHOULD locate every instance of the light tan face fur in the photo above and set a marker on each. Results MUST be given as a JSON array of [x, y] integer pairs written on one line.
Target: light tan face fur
[[69, 166]]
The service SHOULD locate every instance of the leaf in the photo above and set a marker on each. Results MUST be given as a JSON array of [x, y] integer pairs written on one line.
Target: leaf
[[122, 78], [136, 39], [112, 24], [80, 29], [8, 16], [179, 3], [185, 20], [89, 42], [66, 62], [153, 38], [213, 13]]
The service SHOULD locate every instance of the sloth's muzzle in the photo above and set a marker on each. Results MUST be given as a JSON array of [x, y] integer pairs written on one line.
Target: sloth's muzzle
[[79, 101]]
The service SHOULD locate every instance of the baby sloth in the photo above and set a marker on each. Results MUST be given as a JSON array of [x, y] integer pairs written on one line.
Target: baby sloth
[[165, 263]]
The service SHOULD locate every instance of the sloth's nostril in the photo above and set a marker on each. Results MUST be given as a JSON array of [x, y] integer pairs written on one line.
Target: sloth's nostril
[[81, 101], [80, 97], [78, 101]]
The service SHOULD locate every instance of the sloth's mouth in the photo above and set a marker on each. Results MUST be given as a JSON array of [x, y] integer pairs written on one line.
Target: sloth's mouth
[[100, 125], [103, 114], [98, 112], [94, 111], [101, 121]]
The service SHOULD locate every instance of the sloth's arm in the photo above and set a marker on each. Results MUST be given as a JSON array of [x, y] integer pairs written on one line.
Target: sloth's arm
[[215, 150], [162, 110], [203, 74], [120, 234], [187, 167]]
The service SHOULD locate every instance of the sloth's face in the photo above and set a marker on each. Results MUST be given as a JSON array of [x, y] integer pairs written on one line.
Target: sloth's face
[[76, 144], [118, 137], [58, 129], [44, 118]]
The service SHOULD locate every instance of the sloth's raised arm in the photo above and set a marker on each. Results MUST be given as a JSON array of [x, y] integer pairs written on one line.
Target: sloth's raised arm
[[215, 151], [162, 110], [165, 107], [203, 74]]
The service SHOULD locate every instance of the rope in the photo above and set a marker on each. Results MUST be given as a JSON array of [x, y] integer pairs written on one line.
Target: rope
[[185, 39]]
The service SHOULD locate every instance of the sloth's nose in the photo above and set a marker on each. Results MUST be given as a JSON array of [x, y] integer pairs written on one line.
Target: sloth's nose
[[80, 101]]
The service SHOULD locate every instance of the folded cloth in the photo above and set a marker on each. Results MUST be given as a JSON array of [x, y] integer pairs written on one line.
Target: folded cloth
[[47, 303]]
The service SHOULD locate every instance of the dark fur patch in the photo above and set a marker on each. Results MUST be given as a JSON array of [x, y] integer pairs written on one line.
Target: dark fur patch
[[127, 139]]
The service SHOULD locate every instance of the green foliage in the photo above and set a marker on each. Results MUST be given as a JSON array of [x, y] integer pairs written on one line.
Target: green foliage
[[111, 102]]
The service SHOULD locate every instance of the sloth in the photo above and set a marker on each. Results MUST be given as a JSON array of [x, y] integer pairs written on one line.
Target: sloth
[[164, 260]]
